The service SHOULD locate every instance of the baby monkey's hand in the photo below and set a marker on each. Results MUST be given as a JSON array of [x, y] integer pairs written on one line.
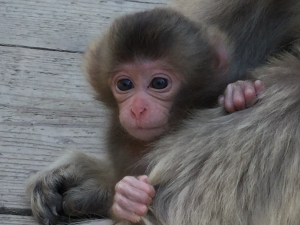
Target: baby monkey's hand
[[132, 198], [241, 95]]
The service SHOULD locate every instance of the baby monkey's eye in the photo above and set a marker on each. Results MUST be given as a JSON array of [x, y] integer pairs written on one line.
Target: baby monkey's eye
[[124, 85], [159, 83]]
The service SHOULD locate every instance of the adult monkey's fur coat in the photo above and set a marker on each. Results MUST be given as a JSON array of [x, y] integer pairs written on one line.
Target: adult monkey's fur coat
[[242, 168]]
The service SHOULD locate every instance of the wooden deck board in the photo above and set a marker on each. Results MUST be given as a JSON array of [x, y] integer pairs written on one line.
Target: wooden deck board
[[66, 25], [46, 106], [25, 220]]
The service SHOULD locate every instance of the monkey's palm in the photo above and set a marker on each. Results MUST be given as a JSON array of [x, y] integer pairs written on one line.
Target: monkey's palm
[[74, 188]]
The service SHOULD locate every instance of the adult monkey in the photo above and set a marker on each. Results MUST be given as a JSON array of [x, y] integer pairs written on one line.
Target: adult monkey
[[45, 189], [238, 169]]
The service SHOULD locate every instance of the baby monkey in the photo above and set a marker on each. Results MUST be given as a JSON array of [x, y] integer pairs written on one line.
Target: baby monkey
[[152, 73], [146, 87], [148, 80]]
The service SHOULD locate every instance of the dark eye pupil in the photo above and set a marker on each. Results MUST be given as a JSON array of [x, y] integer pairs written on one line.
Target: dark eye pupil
[[124, 85], [159, 83]]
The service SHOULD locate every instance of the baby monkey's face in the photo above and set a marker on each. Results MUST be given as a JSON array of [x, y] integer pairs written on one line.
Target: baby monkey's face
[[145, 92]]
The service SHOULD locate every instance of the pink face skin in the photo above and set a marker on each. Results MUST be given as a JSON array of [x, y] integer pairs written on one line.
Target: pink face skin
[[145, 92]]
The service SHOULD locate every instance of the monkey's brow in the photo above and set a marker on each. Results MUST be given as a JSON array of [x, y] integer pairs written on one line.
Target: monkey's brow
[[113, 72]]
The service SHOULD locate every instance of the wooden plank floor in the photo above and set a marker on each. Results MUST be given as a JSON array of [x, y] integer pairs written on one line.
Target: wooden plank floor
[[46, 106]]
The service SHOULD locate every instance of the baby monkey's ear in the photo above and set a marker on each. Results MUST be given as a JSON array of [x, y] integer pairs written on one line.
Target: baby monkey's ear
[[221, 59]]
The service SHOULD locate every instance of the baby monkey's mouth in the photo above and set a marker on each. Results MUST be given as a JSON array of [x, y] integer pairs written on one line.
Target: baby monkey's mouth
[[147, 127]]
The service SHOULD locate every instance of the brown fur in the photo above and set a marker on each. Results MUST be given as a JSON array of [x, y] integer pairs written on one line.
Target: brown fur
[[235, 169]]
